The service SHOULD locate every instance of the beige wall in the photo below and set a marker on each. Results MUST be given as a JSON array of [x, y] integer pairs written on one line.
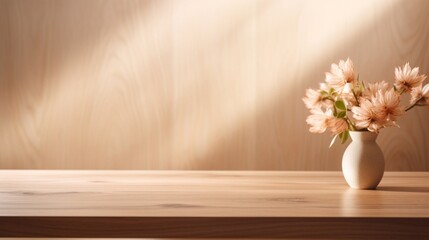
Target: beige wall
[[203, 84]]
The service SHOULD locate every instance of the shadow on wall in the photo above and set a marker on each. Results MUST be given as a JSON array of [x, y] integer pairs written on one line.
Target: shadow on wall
[[194, 84]]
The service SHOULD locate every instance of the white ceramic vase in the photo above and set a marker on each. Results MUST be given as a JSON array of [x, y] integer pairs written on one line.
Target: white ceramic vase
[[363, 161]]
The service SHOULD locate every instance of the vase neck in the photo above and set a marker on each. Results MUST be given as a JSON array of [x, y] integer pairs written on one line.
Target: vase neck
[[363, 136]]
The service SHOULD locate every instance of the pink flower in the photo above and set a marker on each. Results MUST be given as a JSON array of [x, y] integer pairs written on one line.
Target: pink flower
[[388, 103], [372, 89], [407, 78], [368, 116], [420, 96], [341, 74], [337, 125], [318, 120], [313, 98]]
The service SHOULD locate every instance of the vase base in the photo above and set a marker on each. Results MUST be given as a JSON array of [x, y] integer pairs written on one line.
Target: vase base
[[364, 188]]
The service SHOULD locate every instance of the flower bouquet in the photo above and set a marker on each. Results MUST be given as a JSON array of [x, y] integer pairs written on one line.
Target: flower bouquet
[[344, 103], [347, 106]]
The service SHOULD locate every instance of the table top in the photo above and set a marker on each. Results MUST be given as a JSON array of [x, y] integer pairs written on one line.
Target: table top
[[62, 193]]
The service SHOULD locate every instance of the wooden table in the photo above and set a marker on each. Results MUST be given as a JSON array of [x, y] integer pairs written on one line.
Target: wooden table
[[204, 204]]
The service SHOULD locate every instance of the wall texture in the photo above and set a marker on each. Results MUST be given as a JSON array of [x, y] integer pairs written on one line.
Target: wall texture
[[203, 84]]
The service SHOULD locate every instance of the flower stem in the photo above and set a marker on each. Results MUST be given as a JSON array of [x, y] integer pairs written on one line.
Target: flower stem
[[354, 94], [413, 105], [352, 126], [410, 107]]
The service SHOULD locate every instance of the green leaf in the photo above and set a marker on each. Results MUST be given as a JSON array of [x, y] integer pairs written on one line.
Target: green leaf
[[341, 114], [340, 109], [344, 136], [339, 104]]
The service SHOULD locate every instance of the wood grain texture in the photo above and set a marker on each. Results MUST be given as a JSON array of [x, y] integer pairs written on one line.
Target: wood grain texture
[[182, 84], [202, 204], [215, 227]]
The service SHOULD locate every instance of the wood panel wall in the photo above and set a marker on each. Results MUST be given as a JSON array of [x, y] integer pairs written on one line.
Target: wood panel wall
[[202, 84]]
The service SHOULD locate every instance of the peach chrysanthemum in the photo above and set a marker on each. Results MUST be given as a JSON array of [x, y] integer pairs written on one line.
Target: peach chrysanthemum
[[340, 75], [368, 116], [388, 103], [407, 78], [313, 98], [337, 125], [318, 120], [372, 89], [420, 96]]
